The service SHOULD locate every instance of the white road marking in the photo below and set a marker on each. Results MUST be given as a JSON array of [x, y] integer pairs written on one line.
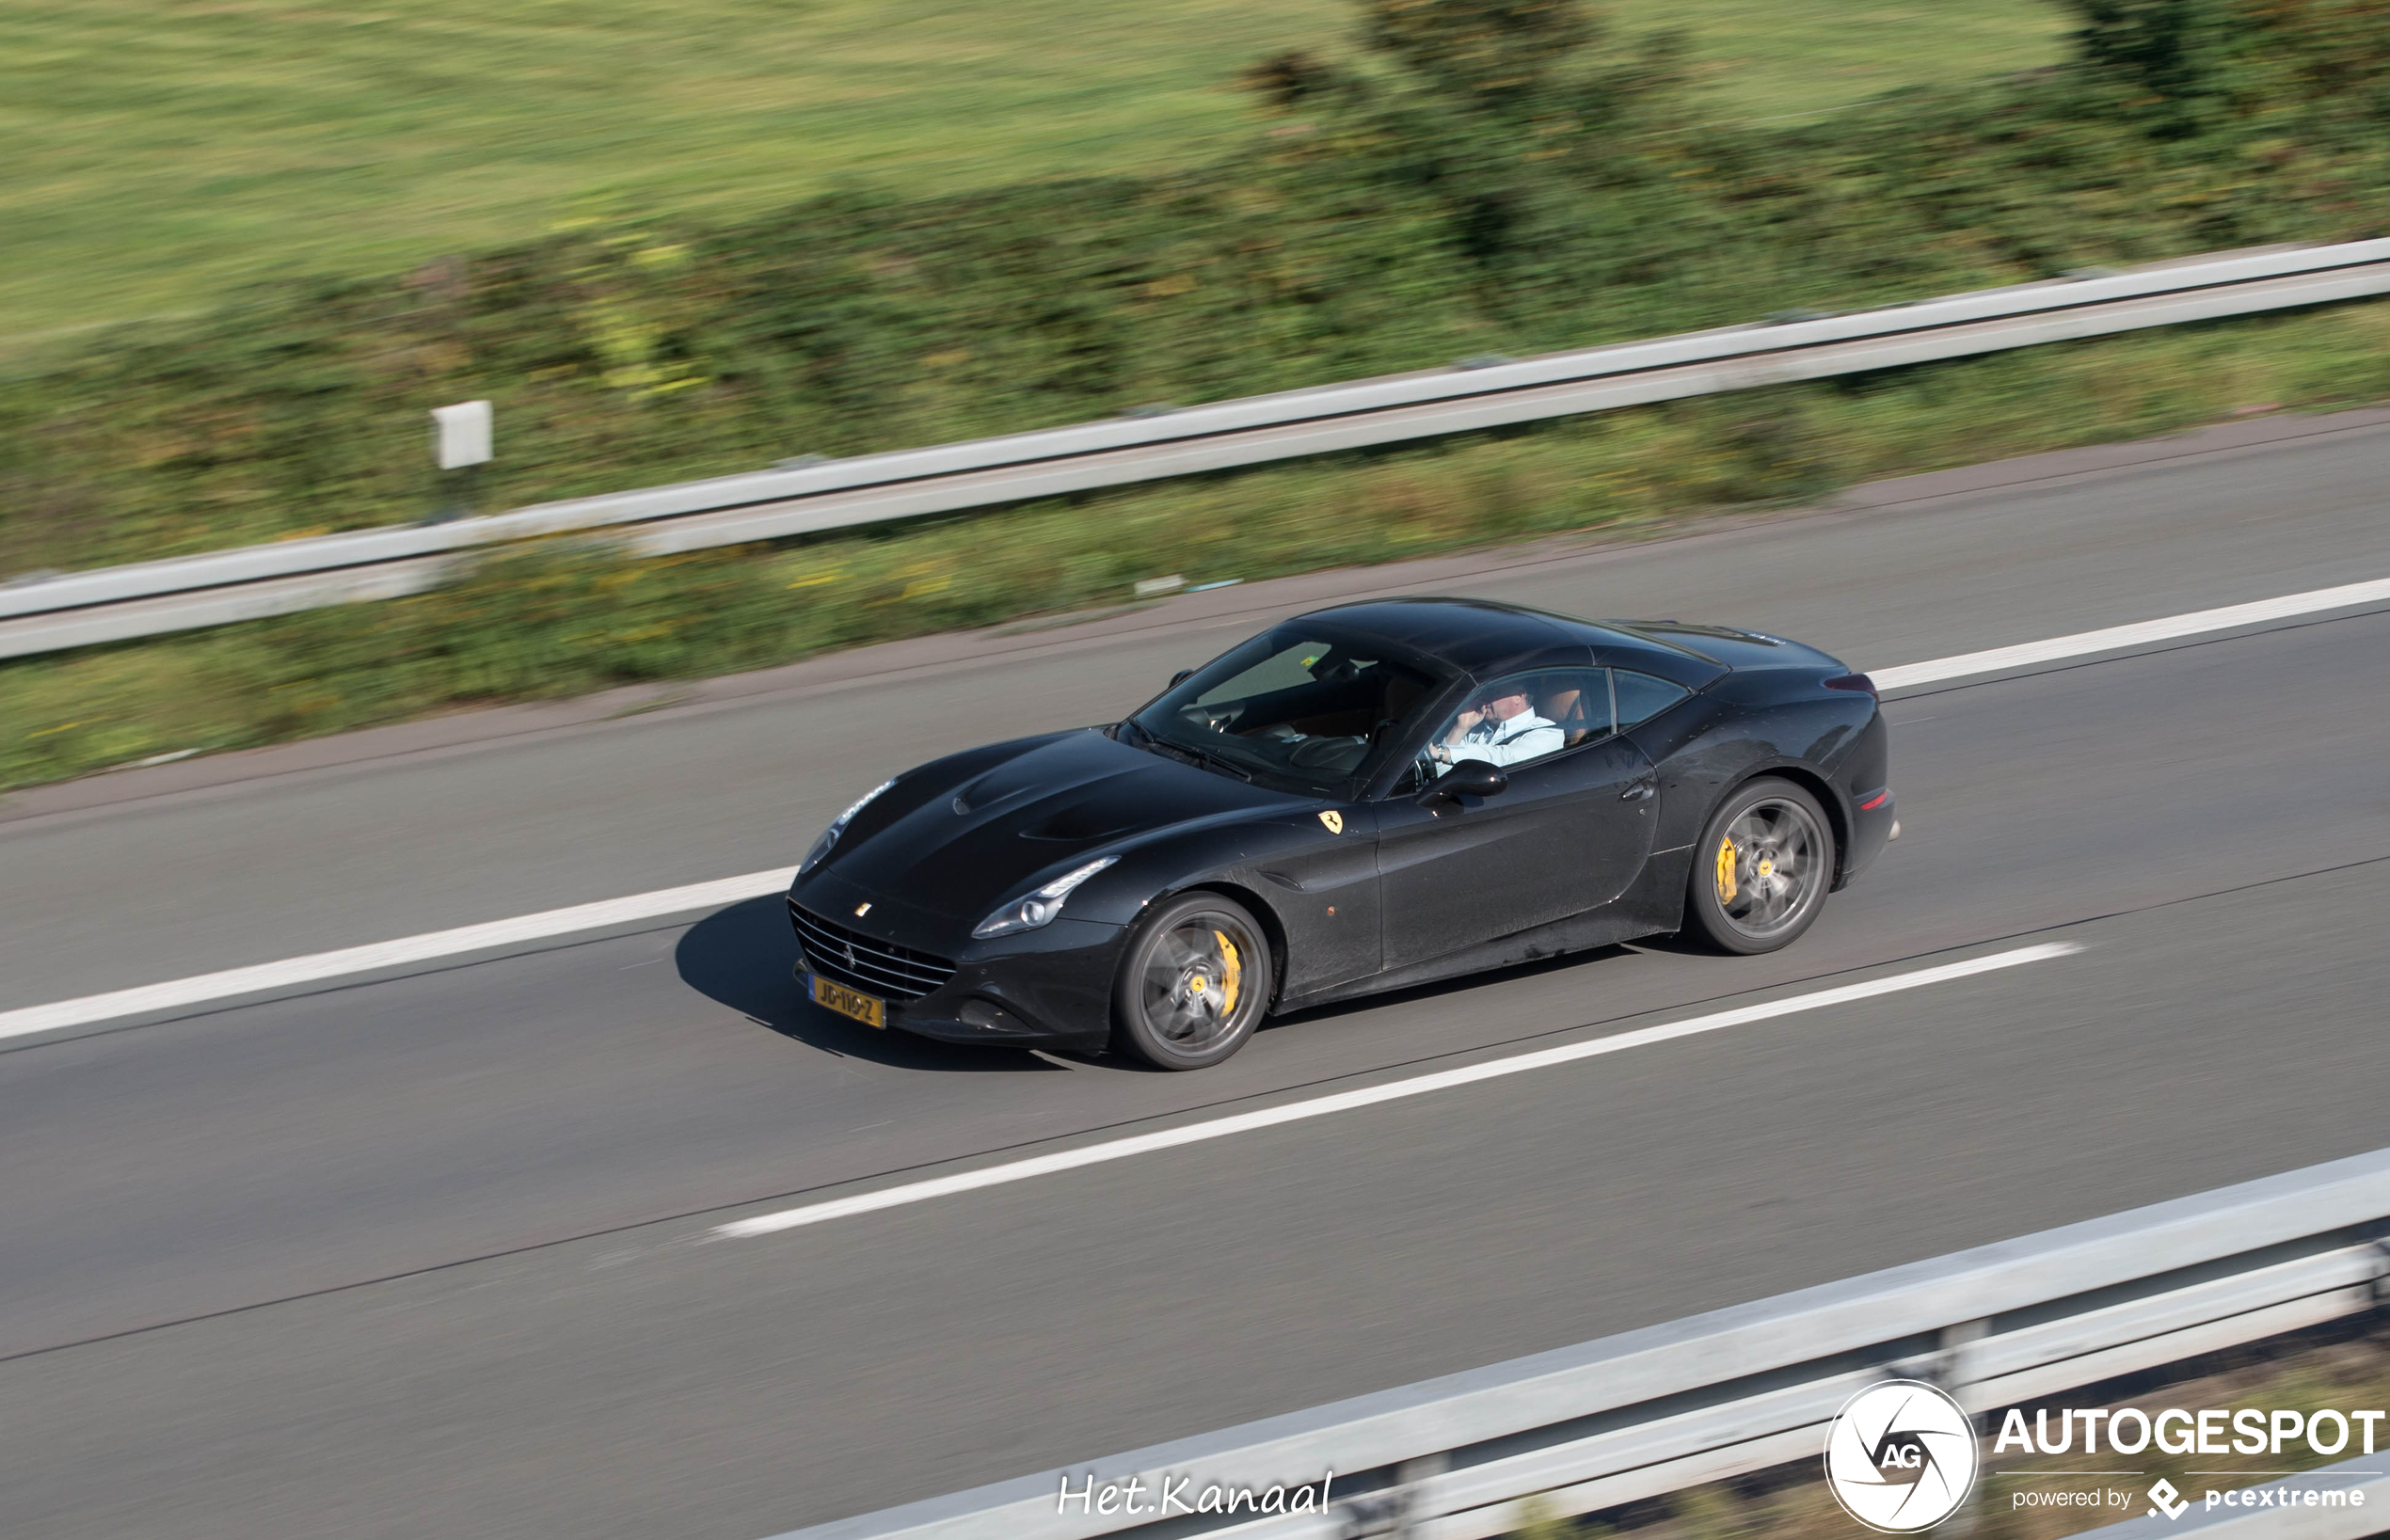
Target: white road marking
[[1320, 1107], [545, 926], [552, 923], [2140, 634]]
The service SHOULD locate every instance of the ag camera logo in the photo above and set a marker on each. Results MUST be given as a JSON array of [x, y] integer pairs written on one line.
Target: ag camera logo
[[1901, 1456]]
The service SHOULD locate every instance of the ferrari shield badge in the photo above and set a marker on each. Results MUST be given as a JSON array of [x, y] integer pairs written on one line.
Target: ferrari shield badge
[[1334, 820]]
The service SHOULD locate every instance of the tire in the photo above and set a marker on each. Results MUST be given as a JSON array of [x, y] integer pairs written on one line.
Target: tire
[[1763, 869], [1193, 983]]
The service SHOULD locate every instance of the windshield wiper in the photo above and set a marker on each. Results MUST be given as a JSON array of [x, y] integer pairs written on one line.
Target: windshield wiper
[[1194, 755], [1225, 767]]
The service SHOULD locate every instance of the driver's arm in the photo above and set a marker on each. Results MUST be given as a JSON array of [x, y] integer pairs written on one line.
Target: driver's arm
[[1446, 750], [1532, 745]]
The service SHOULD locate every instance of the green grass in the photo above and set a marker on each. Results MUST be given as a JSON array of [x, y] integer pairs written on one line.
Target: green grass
[[558, 619], [1792, 58], [159, 153]]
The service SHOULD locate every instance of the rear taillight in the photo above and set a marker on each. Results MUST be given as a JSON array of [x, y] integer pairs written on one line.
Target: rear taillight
[[1857, 682]]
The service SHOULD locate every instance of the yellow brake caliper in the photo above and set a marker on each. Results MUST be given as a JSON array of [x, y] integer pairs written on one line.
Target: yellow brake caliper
[[1726, 885], [1232, 973]]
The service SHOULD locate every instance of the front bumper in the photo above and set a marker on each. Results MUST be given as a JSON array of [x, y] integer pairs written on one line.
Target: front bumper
[[1050, 987]]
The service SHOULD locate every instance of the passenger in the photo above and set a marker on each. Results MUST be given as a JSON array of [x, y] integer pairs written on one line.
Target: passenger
[[1499, 729]]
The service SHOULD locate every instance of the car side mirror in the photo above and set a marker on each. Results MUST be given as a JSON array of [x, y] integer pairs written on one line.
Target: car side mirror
[[1470, 778], [1181, 678]]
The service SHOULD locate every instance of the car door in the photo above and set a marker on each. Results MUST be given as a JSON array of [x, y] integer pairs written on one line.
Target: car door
[[1319, 876], [1568, 835]]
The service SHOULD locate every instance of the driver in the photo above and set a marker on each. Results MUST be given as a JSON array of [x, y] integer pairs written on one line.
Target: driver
[[1499, 728]]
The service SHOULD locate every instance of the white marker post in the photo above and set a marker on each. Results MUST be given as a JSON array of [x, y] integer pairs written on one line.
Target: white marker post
[[460, 444]]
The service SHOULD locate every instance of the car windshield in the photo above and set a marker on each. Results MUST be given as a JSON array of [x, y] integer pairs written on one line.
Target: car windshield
[[1293, 710]]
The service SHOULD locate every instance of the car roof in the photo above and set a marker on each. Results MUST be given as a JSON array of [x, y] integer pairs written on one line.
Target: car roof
[[1481, 637]]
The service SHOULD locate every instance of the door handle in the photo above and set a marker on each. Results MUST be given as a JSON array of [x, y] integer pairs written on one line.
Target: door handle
[[1638, 791]]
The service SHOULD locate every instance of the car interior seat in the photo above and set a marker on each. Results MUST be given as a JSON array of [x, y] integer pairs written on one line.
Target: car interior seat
[[1401, 695], [1564, 705]]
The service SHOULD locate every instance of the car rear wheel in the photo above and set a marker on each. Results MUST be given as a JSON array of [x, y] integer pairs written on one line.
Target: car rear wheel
[[1192, 984], [1763, 869]]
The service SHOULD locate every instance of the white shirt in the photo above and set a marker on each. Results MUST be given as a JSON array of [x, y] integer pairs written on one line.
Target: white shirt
[[1526, 735]]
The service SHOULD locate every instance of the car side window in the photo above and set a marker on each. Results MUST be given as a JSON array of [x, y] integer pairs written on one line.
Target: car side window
[[1520, 719], [1641, 697]]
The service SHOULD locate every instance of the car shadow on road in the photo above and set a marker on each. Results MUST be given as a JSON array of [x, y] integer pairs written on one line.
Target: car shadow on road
[[742, 957]]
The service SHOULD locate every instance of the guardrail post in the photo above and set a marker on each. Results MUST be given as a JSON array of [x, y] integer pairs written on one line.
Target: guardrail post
[[1953, 1371], [1954, 1355], [1400, 1511], [1951, 1367], [1412, 1480]]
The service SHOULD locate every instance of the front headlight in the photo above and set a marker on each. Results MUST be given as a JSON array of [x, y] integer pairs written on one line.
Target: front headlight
[[838, 826], [1041, 907]]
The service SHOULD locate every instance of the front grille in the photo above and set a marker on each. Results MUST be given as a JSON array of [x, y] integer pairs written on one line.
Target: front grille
[[865, 962]]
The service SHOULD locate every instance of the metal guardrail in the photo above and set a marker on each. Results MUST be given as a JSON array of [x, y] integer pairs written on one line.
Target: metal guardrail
[[1652, 1411], [150, 597]]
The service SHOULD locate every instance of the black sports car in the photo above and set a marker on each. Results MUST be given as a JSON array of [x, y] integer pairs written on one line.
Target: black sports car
[[1363, 798]]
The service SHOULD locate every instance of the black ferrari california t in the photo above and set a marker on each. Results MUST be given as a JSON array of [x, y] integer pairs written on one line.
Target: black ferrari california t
[[1364, 798]]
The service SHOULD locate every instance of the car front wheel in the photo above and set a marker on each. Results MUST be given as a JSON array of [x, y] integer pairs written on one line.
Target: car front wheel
[[1193, 983], [1763, 869]]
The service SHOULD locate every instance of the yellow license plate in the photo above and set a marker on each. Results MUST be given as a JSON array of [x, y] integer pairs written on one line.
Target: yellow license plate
[[847, 1002]]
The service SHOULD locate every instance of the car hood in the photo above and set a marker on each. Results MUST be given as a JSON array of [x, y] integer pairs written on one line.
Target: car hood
[[982, 836]]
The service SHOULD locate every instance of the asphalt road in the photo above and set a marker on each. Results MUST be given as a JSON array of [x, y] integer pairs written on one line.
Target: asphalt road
[[425, 1256], [134, 891]]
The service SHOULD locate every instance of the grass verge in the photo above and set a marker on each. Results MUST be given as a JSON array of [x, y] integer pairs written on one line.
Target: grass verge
[[1420, 197], [564, 617]]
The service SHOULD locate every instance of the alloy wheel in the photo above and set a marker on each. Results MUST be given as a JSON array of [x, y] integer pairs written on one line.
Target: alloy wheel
[[1768, 865]]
